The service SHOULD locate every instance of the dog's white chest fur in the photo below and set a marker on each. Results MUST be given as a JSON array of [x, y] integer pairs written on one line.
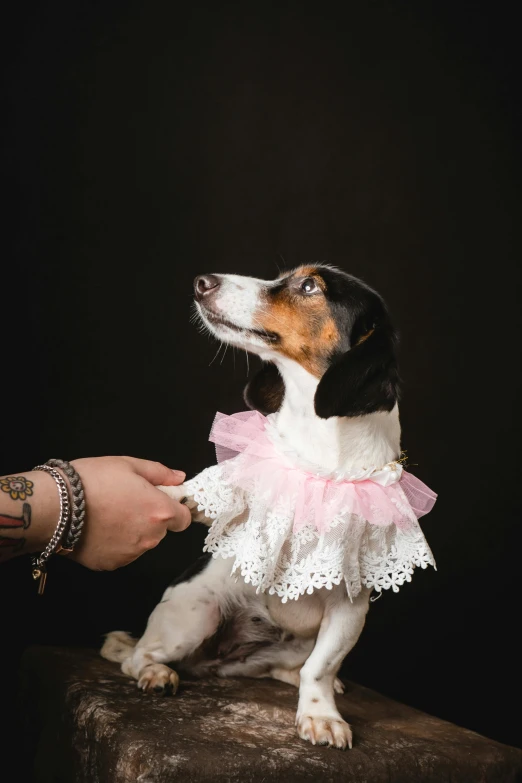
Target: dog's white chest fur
[[337, 442]]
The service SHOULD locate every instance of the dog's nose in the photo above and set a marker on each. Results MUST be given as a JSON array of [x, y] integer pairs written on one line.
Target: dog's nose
[[204, 284]]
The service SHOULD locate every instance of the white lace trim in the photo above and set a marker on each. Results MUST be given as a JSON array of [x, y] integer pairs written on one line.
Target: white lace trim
[[273, 558]]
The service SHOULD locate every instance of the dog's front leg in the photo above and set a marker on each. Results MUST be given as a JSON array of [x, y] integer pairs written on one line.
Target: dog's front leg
[[188, 614], [318, 719]]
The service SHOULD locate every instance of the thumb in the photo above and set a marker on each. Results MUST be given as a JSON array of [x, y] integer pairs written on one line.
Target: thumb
[[155, 472]]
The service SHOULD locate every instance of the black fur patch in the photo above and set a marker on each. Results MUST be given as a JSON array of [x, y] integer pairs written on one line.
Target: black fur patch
[[363, 376], [265, 392], [364, 380], [193, 570]]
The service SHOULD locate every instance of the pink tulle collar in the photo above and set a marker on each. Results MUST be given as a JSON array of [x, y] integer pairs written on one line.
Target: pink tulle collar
[[381, 496]]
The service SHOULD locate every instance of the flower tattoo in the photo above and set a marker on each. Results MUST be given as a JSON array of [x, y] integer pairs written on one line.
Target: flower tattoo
[[19, 488]]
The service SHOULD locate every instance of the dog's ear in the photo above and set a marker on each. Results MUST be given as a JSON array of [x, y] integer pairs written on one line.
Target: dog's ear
[[265, 392], [365, 378]]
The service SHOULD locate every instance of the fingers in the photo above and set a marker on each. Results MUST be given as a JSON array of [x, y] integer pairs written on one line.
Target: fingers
[[155, 472], [180, 519]]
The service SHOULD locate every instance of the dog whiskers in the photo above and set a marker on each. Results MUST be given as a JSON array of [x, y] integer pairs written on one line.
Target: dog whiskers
[[224, 352], [218, 350]]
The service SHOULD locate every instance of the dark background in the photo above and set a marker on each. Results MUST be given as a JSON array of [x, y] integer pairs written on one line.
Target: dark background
[[149, 142]]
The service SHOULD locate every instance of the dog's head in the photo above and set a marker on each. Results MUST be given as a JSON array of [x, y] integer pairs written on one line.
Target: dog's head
[[332, 324]]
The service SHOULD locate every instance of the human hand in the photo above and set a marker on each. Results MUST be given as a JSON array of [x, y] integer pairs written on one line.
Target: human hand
[[126, 514]]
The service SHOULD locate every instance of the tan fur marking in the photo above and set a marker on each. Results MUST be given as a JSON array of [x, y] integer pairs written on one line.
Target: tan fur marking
[[329, 335], [307, 331], [304, 271], [365, 336]]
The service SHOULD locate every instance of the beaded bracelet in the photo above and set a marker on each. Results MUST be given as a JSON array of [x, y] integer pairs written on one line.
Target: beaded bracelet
[[40, 561]]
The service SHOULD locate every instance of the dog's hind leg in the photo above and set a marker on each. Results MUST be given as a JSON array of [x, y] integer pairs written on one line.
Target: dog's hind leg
[[281, 660], [118, 646]]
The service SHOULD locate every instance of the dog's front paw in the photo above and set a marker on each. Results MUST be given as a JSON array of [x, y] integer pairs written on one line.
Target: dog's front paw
[[158, 678], [179, 493], [334, 732]]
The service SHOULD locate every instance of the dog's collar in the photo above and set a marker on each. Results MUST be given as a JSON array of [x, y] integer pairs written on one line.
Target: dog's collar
[[253, 432]]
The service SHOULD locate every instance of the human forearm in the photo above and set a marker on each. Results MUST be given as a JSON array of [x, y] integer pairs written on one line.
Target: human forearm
[[29, 511]]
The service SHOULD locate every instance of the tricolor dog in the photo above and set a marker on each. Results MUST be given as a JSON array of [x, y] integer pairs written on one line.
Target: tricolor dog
[[309, 506]]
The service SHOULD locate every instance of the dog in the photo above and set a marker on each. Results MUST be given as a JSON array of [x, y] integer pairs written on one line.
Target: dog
[[329, 385]]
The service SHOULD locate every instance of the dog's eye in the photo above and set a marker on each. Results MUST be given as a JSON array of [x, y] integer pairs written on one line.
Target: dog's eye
[[309, 286]]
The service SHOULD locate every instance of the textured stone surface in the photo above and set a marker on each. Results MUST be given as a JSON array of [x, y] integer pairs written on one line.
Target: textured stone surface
[[87, 723]]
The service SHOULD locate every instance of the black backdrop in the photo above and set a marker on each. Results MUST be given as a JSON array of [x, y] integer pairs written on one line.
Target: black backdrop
[[149, 142]]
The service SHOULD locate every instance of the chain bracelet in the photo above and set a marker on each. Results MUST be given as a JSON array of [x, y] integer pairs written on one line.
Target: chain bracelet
[[78, 501], [39, 561]]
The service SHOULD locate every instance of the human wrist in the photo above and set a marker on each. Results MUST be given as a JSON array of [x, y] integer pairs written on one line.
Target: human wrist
[[49, 512], [58, 541], [75, 499]]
